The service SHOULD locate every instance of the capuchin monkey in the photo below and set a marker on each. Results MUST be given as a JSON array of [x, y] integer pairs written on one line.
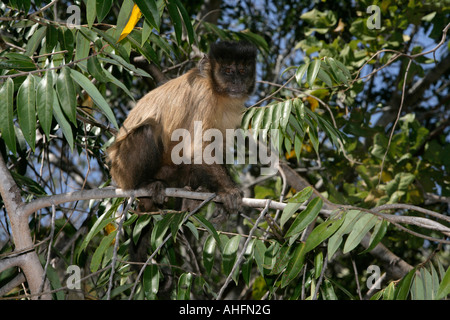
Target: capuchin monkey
[[214, 93]]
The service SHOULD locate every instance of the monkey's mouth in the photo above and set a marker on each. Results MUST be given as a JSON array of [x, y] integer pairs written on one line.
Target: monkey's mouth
[[236, 93]]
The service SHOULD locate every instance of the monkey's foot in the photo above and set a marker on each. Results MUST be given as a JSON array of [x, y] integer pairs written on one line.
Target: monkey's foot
[[157, 189], [231, 200]]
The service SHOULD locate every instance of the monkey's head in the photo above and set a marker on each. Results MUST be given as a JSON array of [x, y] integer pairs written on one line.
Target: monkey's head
[[232, 68]]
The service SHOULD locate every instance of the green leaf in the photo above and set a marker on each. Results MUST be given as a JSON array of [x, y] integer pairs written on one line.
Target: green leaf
[[282, 259], [313, 70], [305, 217], [66, 94], [402, 290], [318, 264], [323, 75], [229, 253], [257, 120], [141, 223], [98, 226], [360, 229], [377, 235], [17, 61], [259, 252], [96, 69], [118, 83], [176, 20], [150, 281], [205, 223], [209, 249], [63, 123], [96, 96], [288, 212], [91, 12], [150, 11], [35, 41], [100, 251], [444, 287], [245, 123], [294, 204], [55, 282], [7, 112], [159, 231], [82, 49], [294, 266], [51, 38], [121, 62], [301, 196], [187, 21], [66, 39], [184, 286], [102, 7], [44, 102], [322, 232], [336, 71], [26, 110], [389, 292], [286, 112], [300, 73]]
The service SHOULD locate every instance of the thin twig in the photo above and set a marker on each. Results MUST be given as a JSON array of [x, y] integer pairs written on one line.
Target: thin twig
[[49, 250], [164, 242], [244, 249], [116, 246], [396, 120]]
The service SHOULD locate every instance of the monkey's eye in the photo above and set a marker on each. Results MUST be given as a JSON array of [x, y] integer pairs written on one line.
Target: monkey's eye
[[242, 71], [228, 70]]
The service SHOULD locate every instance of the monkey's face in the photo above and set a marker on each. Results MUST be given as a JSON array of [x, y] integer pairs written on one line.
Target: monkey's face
[[233, 68], [235, 79]]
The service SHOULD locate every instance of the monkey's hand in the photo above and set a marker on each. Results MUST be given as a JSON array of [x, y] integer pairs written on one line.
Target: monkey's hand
[[231, 200]]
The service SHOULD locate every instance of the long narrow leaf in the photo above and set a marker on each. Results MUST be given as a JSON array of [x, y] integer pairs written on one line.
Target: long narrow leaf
[[26, 110], [361, 227], [44, 102], [7, 111], [305, 217], [150, 11], [313, 70], [95, 95], [66, 94], [62, 121], [187, 21]]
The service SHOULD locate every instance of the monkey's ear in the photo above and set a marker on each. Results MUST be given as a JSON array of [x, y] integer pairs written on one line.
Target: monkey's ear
[[204, 65]]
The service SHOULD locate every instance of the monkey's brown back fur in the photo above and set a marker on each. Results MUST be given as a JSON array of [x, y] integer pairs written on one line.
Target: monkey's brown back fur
[[174, 105]]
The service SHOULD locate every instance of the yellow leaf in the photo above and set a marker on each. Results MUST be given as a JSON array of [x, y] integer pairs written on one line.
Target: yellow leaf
[[109, 228], [136, 14], [313, 102], [290, 155]]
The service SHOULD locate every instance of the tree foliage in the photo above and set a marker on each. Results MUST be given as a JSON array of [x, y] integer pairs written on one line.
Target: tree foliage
[[357, 92]]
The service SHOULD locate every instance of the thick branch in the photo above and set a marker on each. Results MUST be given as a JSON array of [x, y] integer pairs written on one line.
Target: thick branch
[[29, 262]]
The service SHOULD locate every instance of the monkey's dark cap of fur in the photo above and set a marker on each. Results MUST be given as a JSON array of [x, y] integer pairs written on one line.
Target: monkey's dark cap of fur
[[235, 51]]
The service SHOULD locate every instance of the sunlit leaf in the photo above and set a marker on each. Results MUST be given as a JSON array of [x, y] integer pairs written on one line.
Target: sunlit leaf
[[136, 15]]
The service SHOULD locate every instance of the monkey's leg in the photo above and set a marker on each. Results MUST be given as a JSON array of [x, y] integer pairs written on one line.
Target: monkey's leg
[[135, 160]]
